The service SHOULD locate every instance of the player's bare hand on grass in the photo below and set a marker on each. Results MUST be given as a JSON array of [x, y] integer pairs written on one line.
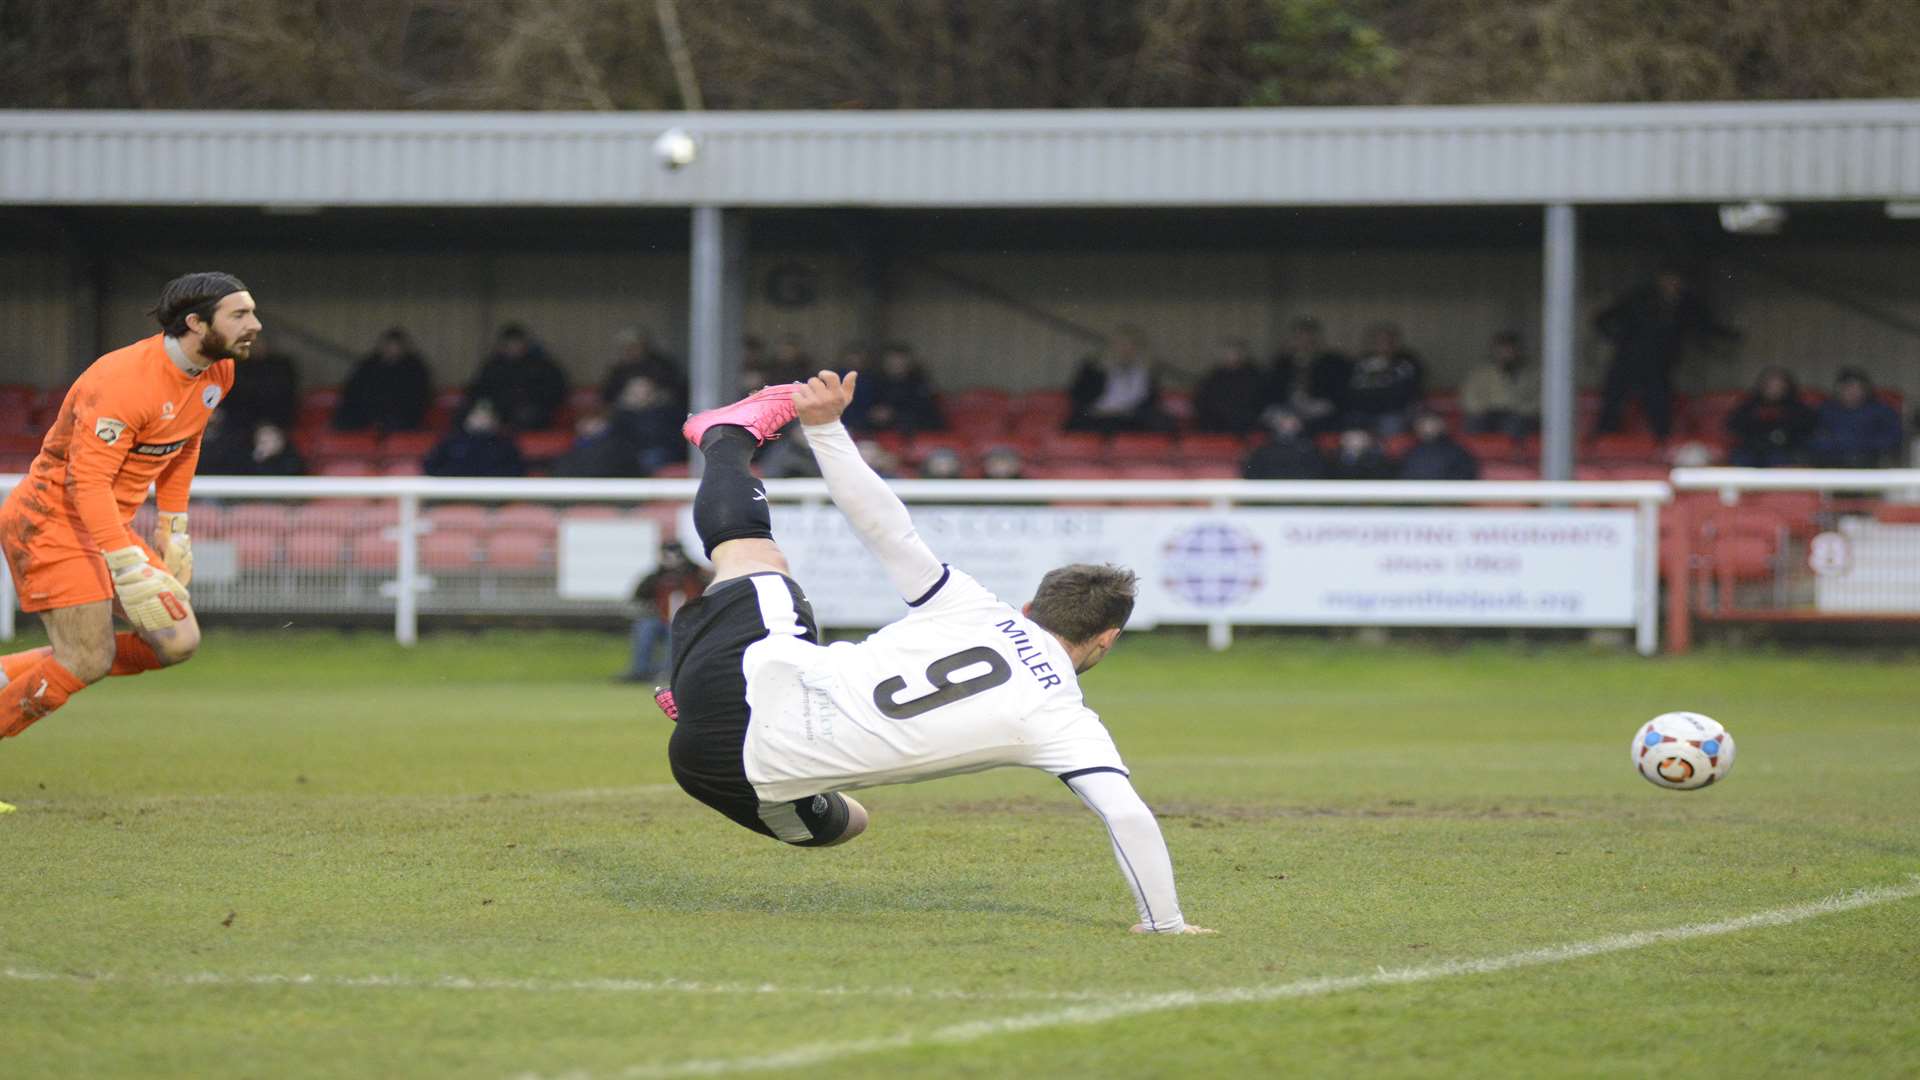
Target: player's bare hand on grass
[[1143, 928], [821, 399]]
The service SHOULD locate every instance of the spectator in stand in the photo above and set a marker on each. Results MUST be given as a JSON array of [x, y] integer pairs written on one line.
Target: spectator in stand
[[1435, 454], [1359, 457], [638, 437], [476, 447], [790, 361], [1854, 429], [878, 458], [897, 396], [1772, 425], [1502, 396], [234, 449], [524, 384], [647, 418], [1384, 384], [1289, 455], [266, 390], [1231, 397], [1311, 379], [1650, 328], [942, 464], [1117, 391], [388, 390], [636, 355], [1002, 463], [659, 597]]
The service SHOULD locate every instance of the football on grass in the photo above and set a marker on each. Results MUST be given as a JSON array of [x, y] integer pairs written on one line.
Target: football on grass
[[1682, 751]]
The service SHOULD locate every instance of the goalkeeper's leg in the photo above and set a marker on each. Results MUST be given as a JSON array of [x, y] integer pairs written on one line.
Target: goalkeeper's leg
[[82, 653]]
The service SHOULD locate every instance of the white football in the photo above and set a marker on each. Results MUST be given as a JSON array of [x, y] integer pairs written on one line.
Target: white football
[[1682, 751]]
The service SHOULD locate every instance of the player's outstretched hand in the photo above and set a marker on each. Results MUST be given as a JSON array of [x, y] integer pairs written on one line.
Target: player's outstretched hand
[[1143, 928], [821, 399]]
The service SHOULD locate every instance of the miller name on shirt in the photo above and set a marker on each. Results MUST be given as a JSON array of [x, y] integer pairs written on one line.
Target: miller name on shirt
[[1029, 654]]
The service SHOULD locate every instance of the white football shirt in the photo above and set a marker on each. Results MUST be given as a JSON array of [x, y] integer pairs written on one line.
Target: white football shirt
[[963, 683]]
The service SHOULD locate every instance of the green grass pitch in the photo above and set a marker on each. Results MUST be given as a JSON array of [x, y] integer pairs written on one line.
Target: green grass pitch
[[309, 854]]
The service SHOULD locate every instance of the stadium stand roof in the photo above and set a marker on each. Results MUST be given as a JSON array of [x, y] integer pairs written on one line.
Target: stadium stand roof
[[1808, 151]]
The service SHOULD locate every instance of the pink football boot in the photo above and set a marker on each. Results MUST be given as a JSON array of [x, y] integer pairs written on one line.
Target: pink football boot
[[763, 413]]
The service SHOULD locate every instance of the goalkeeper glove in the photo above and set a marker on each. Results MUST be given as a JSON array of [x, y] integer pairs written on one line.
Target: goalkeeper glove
[[176, 550], [151, 597]]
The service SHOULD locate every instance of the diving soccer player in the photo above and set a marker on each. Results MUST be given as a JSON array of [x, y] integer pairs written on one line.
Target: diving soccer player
[[133, 419], [772, 728]]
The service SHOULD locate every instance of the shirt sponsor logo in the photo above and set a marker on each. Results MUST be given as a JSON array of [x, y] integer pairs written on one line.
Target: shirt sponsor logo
[[159, 449], [210, 396], [108, 430], [166, 410]]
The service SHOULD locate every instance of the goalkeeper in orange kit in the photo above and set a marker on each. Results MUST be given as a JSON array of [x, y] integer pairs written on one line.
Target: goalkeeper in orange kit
[[133, 419]]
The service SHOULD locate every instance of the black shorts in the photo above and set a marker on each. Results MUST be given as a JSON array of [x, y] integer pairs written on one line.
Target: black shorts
[[710, 637]]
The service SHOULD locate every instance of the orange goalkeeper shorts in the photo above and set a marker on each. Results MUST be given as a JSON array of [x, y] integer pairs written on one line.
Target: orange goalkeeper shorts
[[53, 564]]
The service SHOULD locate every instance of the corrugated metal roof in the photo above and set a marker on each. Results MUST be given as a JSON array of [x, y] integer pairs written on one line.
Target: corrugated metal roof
[[1822, 151]]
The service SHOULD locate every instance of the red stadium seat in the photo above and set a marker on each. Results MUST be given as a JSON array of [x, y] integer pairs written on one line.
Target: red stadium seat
[[976, 397], [346, 467], [526, 517], [316, 550], [1899, 513], [449, 550], [676, 470], [1142, 448], [1490, 447], [1212, 446], [1072, 445], [402, 467], [258, 518], [374, 550], [331, 444], [544, 445], [471, 517], [1508, 471], [1149, 470], [1800, 510], [520, 551], [978, 424], [255, 551], [1629, 446], [325, 517], [1040, 410], [1068, 469], [590, 512], [1213, 468], [11, 464], [414, 444]]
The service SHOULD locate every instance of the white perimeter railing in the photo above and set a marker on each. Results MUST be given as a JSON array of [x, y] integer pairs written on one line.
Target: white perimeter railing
[[401, 579]]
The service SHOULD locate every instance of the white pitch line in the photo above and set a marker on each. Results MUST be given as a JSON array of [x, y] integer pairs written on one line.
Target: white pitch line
[[814, 1054], [547, 986]]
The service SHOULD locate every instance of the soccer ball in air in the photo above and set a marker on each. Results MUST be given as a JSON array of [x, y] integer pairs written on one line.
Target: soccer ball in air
[[1682, 751]]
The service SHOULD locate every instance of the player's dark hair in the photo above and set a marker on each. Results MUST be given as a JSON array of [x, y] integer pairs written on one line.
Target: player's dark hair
[[1082, 601], [193, 294]]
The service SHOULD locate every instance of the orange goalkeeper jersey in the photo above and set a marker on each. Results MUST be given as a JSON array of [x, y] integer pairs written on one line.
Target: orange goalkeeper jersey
[[132, 419]]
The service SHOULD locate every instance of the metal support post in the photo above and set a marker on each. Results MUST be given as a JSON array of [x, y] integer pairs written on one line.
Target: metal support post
[[717, 303], [1559, 294]]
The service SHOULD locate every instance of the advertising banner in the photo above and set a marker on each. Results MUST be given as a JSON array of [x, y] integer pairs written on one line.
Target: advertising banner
[[1384, 566]]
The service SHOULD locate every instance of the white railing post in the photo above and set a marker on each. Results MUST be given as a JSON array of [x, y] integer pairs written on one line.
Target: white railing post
[[1220, 630], [406, 598], [1646, 570], [7, 604]]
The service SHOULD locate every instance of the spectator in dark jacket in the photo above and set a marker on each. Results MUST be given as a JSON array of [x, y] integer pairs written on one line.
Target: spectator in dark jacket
[[646, 418], [1384, 384], [1289, 455], [476, 447], [1772, 425], [388, 390], [1854, 429], [898, 395], [658, 597], [233, 449], [1310, 378], [1117, 391], [1231, 397], [636, 355], [266, 390], [1359, 457], [525, 385], [1435, 454], [1650, 328]]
